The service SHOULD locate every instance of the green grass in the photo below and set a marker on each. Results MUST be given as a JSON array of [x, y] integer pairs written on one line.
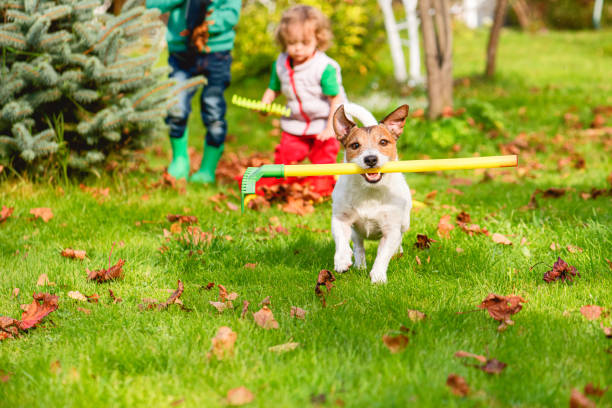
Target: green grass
[[121, 356]]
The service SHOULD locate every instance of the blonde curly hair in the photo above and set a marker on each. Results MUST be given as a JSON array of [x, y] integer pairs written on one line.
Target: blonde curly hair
[[305, 15]]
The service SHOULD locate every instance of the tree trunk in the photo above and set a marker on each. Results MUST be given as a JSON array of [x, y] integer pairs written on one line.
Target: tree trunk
[[438, 45], [521, 9], [500, 14]]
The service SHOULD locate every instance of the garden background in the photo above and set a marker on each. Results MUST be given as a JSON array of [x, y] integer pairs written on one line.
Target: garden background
[[358, 344]]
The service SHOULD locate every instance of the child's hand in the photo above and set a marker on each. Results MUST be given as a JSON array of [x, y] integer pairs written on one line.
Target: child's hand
[[327, 133]]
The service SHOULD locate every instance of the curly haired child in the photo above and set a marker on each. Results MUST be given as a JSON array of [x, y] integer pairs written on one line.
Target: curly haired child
[[312, 84]]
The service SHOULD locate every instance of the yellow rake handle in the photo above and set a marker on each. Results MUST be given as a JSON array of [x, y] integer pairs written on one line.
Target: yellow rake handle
[[404, 166]]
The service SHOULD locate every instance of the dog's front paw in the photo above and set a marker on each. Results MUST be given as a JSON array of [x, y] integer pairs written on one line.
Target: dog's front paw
[[342, 262], [378, 276]]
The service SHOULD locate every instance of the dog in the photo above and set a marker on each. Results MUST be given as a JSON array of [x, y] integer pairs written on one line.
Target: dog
[[369, 205]]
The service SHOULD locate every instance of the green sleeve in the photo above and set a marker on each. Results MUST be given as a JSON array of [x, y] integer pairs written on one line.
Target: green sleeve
[[274, 84], [329, 81], [225, 17], [163, 5]]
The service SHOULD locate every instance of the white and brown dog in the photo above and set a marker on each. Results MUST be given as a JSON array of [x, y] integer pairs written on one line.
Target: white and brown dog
[[370, 205]]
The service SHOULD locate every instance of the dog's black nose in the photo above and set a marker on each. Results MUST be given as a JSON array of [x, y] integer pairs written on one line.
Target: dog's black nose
[[370, 160]]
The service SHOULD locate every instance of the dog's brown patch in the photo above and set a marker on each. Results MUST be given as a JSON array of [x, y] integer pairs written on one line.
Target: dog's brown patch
[[372, 137]]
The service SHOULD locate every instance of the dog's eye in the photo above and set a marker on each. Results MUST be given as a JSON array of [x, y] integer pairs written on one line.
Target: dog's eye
[[384, 142], [354, 146]]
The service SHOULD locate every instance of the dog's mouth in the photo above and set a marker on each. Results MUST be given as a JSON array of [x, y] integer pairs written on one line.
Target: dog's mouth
[[372, 177]]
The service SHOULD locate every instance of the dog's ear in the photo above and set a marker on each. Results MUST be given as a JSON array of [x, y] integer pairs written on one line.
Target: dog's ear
[[396, 120], [342, 125]]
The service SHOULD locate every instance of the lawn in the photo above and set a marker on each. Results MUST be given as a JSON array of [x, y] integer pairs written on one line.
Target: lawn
[[540, 103]]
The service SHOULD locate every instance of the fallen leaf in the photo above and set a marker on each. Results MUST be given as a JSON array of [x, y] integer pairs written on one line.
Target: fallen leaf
[[5, 375], [5, 213], [415, 315], [37, 311], [493, 366], [73, 253], [297, 312], [223, 343], [209, 286], [82, 309], [578, 400], [459, 249], [325, 278], [561, 271], [501, 308], [76, 295], [239, 396], [590, 389], [431, 195], [184, 219], [245, 309], [607, 330], [174, 297], [574, 249], [265, 301], [55, 367], [445, 227], [423, 242], [417, 259], [224, 296], [500, 239], [395, 343], [15, 292], [221, 306], [461, 182], [250, 265], [43, 280], [457, 385], [104, 275], [463, 218], [232, 206], [591, 312], [113, 297], [265, 318], [554, 246], [93, 298], [43, 213], [281, 348], [462, 354]]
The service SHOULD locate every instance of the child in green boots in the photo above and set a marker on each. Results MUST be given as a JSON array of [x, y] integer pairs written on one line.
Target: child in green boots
[[213, 61]]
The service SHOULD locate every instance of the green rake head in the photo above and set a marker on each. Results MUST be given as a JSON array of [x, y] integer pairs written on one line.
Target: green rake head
[[253, 174], [253, 104]]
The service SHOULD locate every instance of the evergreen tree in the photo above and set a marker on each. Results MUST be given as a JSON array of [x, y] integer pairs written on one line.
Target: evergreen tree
[[71, 86]]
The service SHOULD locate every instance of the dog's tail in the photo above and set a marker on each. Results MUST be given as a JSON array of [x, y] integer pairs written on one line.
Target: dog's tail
[[360, 113]]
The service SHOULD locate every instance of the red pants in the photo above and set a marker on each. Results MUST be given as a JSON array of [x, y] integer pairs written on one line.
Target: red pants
[[294, 149]]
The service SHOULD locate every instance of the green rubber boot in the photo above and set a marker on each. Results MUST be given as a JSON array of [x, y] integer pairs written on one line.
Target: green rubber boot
[[179, 167], [206, 174]]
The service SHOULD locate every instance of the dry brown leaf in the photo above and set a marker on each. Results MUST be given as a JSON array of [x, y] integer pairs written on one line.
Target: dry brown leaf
[[184, 219], [37, 311], [415, 315], [232, 206], [174, 297], [457, 385], [590, 389], [325, 278], [73, 253], [493, 366], [239, 396], [265, 318], [445, 227], [591, 312], [462, 353], [579, 400], [607, 330], [500, 239], [461, 182], [82, 309], [15, 292], [245, 309], [113, 297], [561, 271], [43, 213], [223, 343], [297, 312], [76, 295], [501, 308], [5, 213], [43, 280], [423, 241], [395, 343], [265, 301], [104, 275], [554, 246], [281, 348], [574, 249], [250, 265], [221, 306]]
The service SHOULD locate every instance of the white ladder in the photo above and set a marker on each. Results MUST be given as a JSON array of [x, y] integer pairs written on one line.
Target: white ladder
[[393, 28]]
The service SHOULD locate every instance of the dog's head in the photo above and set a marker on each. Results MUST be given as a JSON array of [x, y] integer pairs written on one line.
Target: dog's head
[[372, 146]]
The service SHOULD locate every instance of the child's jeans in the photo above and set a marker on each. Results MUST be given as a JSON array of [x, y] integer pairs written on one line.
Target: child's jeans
[[216, 68]]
